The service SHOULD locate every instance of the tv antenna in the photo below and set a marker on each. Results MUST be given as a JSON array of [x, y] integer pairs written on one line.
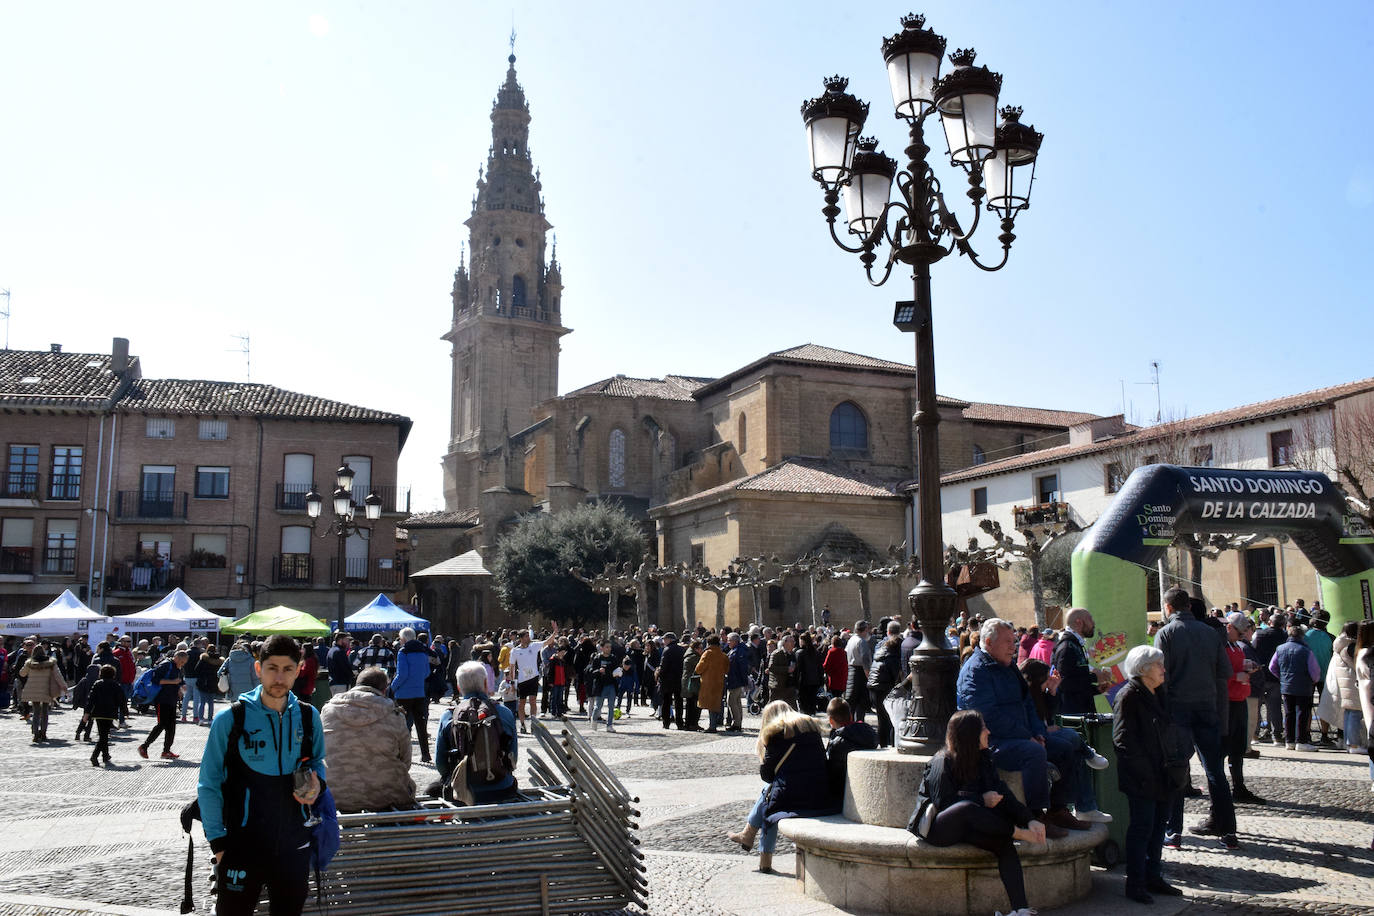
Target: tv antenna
[[5, 314], [246, 348], [1154, 380]]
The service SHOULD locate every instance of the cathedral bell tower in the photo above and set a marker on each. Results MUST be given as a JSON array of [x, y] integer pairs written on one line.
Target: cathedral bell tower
[[506, 307]]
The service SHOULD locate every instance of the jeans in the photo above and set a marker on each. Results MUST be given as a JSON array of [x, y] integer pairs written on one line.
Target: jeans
[[557, 703], [986, 828], [188, 698], [1238, 734], [1297, 718], [1198, 726], [607, 697], [1354, 728], [204, 709], [1273, 709], [1032, 759], [713, 718], [1145, 841], [768, 830]]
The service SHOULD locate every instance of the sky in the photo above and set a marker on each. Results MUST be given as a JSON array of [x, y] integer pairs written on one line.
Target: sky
[[187, 175]]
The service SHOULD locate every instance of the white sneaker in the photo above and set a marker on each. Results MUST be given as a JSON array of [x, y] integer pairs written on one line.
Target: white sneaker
[[1307, 747], [1096, 761], [1095, 817], [610, 728]]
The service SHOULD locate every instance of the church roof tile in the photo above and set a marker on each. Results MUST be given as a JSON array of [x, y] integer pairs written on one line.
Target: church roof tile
[[47, 378], [454, 518], [670, 388]]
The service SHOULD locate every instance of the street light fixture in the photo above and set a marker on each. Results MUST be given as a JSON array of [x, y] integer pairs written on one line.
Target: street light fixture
[[917, 227], [342, 527]]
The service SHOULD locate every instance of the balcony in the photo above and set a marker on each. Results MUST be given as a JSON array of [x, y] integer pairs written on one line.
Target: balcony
[[394, 499], [64, 487], [16, 561], [150, 504], [293, 569], [145, 576], [20, 485], [365, 571], [59, 561], [1042, 515], [291, 496]]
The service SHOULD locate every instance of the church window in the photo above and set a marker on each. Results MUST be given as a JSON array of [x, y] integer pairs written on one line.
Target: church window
[[517, 296], [519, 243], [615, 462], [848, 428], [742, 437], [979, 456]]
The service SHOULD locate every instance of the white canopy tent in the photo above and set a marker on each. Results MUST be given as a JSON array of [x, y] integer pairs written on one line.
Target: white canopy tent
[[65, 616], [176, 613]]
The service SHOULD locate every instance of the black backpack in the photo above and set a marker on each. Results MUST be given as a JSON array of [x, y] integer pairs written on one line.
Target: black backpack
[[477, 739]]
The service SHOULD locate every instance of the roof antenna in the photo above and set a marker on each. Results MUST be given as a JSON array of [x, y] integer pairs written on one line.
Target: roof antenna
[[245, 347], [6, 315]]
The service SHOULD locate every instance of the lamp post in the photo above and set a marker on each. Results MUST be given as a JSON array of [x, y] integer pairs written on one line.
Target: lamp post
[[916, 227], [343, 527]]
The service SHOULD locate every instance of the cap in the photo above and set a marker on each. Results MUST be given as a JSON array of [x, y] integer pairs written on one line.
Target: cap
[[1239, 620]]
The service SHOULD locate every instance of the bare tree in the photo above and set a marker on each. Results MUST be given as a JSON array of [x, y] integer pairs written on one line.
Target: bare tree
[[1037, 537], [612, 582], [719, 585], [1340, 444]]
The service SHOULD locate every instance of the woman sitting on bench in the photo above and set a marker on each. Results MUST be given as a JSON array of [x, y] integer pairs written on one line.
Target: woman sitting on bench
[[961, 800], [792, 762]]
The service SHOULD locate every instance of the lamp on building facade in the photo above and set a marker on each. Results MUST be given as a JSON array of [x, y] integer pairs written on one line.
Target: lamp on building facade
[[342, 527], [917, 228]]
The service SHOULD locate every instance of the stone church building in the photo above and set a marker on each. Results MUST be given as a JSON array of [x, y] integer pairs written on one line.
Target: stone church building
[[803, 450]]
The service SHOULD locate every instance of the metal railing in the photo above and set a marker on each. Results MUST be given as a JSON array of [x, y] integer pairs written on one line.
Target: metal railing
[[16, 561], [293, 569], [150, 504], [64, 487], [59, 561], [291, 496], [394, 499], [365, 571], [145, 577], [20, 485]]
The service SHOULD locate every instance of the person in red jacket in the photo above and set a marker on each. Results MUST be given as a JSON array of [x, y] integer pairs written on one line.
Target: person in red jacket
[[836, 667], [128, 674], [1237, 692]]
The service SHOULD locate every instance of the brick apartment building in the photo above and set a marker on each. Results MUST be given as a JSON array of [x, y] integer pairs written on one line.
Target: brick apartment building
[[121, 488]]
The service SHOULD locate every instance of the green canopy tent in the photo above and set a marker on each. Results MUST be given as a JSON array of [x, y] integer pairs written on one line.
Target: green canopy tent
[[279, 619]]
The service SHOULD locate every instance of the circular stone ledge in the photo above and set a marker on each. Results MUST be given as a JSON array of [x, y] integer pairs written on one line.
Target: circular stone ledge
[[888, 870], [881, 786]]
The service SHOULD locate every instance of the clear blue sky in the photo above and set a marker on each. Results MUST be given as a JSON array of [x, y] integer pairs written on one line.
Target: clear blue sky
[[299, 172]]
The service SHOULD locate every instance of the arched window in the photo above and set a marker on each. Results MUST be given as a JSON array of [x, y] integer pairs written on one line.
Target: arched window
[[848, 428], [517, 292], [615, 459], [742, 436], [979, 456]]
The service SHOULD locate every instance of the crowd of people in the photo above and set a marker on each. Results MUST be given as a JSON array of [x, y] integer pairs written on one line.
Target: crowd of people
[[1216, 681]]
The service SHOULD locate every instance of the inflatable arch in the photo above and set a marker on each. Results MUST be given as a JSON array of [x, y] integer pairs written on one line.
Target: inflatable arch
[[1159, 502]]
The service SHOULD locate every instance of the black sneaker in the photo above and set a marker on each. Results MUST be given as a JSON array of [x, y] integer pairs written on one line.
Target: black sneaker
[[1206, 828], [1163, 888], [1247, 797], [1230, 841], [1173, 840]]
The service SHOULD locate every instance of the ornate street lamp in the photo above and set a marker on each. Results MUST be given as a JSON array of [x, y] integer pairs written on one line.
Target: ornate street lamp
[[342, 527], [917, 227]]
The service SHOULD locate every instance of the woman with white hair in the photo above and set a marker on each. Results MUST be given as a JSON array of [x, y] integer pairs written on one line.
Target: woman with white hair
[[1140, 734]]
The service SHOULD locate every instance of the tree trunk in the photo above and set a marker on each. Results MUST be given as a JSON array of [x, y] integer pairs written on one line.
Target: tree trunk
[[815, 622], [758, 606], [1195, 573], [612, 600], [720, 610], [863, 597], [642, 602]]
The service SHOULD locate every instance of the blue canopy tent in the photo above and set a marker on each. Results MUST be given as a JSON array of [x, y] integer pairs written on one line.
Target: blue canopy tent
[[383, 614]]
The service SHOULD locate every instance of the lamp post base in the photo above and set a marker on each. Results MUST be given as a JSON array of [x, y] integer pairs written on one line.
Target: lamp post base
[[934, 670]]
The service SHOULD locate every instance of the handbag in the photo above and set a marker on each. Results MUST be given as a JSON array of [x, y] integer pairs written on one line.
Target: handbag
[[223, 683], [925, 820]]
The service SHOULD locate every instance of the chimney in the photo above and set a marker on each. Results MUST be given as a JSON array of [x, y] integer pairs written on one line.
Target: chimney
[[54, 348], [119, 356], [1097, 429]]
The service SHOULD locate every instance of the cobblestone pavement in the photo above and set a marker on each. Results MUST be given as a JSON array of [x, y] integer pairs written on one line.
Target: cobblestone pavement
[[83, 840]]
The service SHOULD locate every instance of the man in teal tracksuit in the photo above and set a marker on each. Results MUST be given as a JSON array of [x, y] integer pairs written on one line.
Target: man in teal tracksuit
[[254, 817]]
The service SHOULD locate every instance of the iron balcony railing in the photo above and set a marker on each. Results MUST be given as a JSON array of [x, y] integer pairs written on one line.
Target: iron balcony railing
[[64, 487], [151, 504], [20, 485], [291, 496], [293, 569], [16, 561], [366, 571], [145, 576], [59, 561]]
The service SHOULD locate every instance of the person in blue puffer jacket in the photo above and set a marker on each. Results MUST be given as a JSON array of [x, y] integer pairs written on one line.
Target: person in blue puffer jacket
[[254, 815], [408, 687], [1298, 672]]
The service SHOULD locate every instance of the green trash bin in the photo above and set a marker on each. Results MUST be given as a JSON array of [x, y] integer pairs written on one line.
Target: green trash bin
[[1096, 730]]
